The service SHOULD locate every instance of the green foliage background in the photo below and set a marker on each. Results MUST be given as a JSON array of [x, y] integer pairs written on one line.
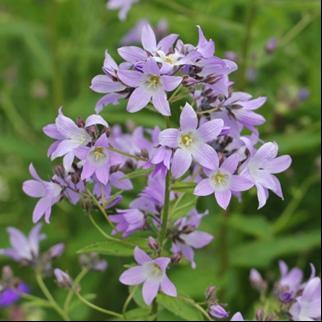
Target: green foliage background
[[50, 50]]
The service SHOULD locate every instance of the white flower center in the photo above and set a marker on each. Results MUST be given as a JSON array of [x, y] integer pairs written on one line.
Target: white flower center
[[153, 271], [153, 82], [98, 155], [188, 140], [221, 180]]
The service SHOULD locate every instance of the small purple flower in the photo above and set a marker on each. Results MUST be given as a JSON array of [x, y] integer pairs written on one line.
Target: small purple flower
[[48, 192], [96, 160], [308, 305], [150, 86], [93, 262], [187, 237], [122, 5], [69, 137], [257, 280], [152, 274], [190, 142], [262, 166], [218, 312], [128, 221], [25, 249], [62, 278], [271, 45], [237, 317], [289, 283], [222, 181], [9, 295]]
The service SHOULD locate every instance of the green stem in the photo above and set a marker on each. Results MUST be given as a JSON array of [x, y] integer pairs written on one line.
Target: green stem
[[137, 158], [99, 206], [129, 299], [165, 210], [101, 231], [39, 300], [73, 289], [250, 19], [50, 298], [97, 308]]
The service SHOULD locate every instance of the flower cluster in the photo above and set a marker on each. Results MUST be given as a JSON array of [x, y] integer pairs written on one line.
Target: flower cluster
[[214, 149]]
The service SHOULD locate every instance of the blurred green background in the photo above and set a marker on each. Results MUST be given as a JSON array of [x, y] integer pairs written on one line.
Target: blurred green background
[[49, 52]]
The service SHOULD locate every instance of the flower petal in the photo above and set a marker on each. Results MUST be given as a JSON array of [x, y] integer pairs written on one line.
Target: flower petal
[[141, 257], [204, 188], [188, 118], [131, 78], [210, 130], [169, 138], [223, 198], [160, 102], [139, 99], [205, 155], [132, 54], [148, 38], [150, 290], [167, 287], [239, 183], [170, 83], [181, 163], [133, 276], [279, 164], [103, 84], [34, 189]]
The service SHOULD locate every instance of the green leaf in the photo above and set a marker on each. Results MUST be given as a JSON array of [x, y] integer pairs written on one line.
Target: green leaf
[[262, 253], [180, 307], [183, 186], [137, 173], [256, 226], [138, 314], [183, 205], [116, 247]]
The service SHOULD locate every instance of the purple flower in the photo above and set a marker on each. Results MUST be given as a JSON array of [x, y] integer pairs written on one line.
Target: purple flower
[[122, 5], [241, 106], [107, 84], [63, 279], [92, 262], [308, 306], [190, 142], [96, 160], [222, 181], [218, 312], [237, 317], [69, 137], [150, 86], [128, 221], [271, 45], [289, 283], [262, 166], [9, 295], [152, 274], [257, 280], [187, 237], [48, 192]]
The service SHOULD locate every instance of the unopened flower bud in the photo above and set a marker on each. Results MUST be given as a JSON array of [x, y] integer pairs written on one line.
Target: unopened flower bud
[[271, 45], [153, 244], [257, 280], [211, 293], [63, 279], [80, 122], [56, 251], [176, 258], [59, 170], [218, 312]]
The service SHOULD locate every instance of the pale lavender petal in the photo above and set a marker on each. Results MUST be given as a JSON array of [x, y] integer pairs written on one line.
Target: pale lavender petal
[[133, 276], [279, 164], [167, 42], [210, 130], [197, 239], [95, 120], [88, 171], [66, 126], [151, 67], [181, 163], [107, 99], [205, 47], [141, 257], [34, 238], [119, 181], [64, 147], [255, 103], [205, 155], [33, 172], [169, 138], [139, 99], [68, 161], [103, 84], [148, 39], [41, 208], [237, 317], [204, 188], [167, 287], [239, 183], [150, 290], [170, 83], [160, 102], [267, 151], [132, 54], [163, 262], [223, 198], [131, 78], [188, 118], [34, 189], [51, 131], [231, 163], [103, 174], [262, 195]]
